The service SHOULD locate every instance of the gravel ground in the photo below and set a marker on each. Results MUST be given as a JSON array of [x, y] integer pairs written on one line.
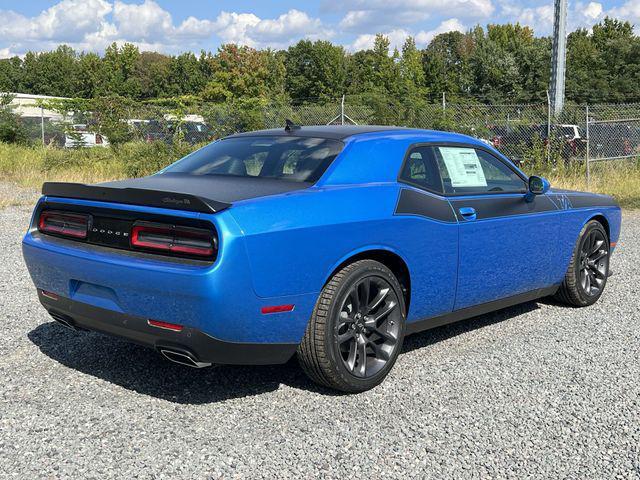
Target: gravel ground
[[538, 390]]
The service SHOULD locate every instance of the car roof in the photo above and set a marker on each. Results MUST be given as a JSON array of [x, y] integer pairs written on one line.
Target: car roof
[[337, 132]]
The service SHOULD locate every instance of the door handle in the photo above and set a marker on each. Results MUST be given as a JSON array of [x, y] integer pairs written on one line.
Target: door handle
[[468, 213]]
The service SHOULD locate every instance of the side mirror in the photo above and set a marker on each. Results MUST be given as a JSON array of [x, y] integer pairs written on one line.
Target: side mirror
[[537, 186]]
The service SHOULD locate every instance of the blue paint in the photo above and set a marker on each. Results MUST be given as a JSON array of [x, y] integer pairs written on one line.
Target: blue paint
[[282, 249]]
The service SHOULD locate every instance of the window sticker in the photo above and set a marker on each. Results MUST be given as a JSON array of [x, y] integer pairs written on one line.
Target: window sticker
[[464, 167]]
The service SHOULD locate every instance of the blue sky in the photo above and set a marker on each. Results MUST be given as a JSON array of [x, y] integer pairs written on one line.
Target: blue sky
[[174, 26]]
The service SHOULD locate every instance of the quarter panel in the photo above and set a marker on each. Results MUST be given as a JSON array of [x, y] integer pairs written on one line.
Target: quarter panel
[[295, 241]]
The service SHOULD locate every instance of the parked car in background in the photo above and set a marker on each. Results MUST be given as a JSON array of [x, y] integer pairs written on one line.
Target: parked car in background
[[613, 140], [169, 131], [79, 136], [328, 242], [518, 139]]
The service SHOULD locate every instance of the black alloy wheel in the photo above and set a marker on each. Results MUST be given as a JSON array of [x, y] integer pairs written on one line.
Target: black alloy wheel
[[356, 330], [594, 262], [588, 270], [368, 328]]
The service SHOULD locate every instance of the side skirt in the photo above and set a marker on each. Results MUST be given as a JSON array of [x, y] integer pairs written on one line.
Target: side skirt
[[465, 313]]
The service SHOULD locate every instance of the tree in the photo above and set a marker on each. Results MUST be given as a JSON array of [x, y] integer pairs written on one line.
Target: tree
[[315, 70], [185, 76], [11, 129], [243, 73], [120, 64], [152, 72], [92, 76], [11, 75], [51, 73], [411, 70], [446, 64]]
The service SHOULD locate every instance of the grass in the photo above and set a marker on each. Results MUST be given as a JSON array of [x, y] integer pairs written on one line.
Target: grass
[[620, 178], [26, 168]]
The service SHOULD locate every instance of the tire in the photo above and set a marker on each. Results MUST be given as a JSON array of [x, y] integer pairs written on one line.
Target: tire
[[585, 279], [342, 318]]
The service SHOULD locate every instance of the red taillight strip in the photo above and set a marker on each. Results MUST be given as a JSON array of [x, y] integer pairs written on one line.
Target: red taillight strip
[[173, 235], [65, 218], [165, 325], [276, 309]]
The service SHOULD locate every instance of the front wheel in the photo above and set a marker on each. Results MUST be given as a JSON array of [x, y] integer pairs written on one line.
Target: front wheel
[[588, 270], [356, 330]]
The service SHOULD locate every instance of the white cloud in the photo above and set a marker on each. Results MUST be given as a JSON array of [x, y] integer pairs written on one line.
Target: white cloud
[[143, 21], [248, 29], [452, 25], [366, 41], [628, 11], [398, 36], [94, 24], [6, 53], [364, 15], [66, 21], [367, 20], [593, 10]]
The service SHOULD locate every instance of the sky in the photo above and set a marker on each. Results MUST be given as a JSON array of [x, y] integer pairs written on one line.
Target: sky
[[175, 26]]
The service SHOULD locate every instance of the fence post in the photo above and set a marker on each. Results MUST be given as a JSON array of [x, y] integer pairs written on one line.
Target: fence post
[[587, 149], [342, 111], [548, 128], [42, 124], [444, 102]]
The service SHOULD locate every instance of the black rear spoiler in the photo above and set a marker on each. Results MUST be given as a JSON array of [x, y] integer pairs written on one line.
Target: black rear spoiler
[[133, 196]]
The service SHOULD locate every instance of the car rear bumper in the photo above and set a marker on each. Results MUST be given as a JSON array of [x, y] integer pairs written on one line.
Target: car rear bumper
[[202, 348]]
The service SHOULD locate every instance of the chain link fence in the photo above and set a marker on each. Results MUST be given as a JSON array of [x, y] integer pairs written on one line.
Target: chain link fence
[[524, 133]]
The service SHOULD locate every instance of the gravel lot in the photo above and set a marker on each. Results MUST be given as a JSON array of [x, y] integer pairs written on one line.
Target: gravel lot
[[538, 390]]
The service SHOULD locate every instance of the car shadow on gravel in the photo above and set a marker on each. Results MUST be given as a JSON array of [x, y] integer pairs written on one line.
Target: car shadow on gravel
[[144, 371], [439, 334]]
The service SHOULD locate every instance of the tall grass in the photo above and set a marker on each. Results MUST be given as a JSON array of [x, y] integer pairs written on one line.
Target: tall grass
[[620, 178], [29, 167]]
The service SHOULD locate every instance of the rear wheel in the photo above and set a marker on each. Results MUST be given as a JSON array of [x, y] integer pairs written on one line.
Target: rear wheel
[[588, 270], [356, 330]]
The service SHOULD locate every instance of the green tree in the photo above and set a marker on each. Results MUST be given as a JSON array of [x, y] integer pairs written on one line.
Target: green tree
[[11, 75], [51, 73], [92, 76], [11, 128], [152, 73], [242, 73], [185, 75], [120, 64], [446, 65], [315, 70]]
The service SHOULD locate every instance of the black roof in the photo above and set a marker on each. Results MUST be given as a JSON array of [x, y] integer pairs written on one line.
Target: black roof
[[337, 132]]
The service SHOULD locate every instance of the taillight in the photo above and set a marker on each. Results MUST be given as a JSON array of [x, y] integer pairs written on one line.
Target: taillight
[[173, 239], [67, 224]]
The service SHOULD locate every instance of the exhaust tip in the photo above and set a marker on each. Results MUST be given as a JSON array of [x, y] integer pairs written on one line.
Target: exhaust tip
[[183, 358], [64, 321]]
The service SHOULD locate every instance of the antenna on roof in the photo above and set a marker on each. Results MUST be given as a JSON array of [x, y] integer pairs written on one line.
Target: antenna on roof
[[290, 126]]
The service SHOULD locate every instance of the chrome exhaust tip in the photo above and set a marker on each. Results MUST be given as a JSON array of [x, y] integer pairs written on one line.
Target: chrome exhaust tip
[[183, 358]]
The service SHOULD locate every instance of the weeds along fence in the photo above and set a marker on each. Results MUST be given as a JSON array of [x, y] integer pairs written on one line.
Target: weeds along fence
[[583, 135]]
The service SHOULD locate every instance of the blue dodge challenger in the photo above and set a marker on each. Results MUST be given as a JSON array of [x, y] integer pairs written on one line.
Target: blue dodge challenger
[[330, 243]]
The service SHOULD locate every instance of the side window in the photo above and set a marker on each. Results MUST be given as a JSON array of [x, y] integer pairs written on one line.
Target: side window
[[420, 169], [470, 170]]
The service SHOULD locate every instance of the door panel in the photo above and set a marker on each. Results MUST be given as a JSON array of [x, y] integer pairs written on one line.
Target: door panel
[[507, 250]]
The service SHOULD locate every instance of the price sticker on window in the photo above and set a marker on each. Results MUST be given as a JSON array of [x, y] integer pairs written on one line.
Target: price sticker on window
[[463, 164]]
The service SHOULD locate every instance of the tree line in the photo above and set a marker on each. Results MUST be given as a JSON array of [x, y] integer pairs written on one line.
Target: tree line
[[497, 64]]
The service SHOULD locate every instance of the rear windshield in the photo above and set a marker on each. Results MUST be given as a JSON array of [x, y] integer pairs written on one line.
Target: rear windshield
[[298, 159]]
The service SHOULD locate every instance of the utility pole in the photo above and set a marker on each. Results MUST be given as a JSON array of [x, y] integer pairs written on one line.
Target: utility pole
[[558, 56]]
